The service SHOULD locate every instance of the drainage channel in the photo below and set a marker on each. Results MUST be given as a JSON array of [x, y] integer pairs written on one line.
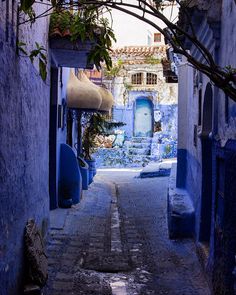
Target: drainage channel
[[106, 269], [118, 285]]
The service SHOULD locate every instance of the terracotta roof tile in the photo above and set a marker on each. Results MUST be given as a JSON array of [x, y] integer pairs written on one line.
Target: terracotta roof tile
[[140, 51]]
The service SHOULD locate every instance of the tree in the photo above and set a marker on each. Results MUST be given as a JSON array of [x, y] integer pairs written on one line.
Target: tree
[[176, 34]]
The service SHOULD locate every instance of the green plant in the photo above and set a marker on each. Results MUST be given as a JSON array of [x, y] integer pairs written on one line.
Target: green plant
[[81, 24], [152, 60], [97, 125], [86, 26], [167, 149], [114, 70], [128, 86], [109, 126], [94, 127], [39, 52]]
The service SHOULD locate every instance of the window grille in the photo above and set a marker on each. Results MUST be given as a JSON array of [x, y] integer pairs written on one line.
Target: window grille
[[136, 78], [151, 79]]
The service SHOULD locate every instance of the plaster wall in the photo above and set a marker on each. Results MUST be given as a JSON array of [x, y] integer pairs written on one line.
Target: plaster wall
[[118, 90], [189, 144], [183, 94], [226, 128], [189, 170], [24, 155], [126, 115], [193, 146], [161, 93]]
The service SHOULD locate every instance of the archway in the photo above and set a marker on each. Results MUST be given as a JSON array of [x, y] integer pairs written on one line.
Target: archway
[[143, 117], [206, 143]]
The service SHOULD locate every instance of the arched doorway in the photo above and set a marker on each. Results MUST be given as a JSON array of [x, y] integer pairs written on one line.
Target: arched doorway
[[143, 117], [206, 143]]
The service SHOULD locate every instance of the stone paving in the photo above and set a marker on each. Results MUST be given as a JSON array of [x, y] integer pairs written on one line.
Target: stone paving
[[115, 242]]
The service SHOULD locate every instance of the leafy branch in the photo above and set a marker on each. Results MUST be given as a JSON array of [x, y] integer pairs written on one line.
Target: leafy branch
[[114, 70], [177, 35], [38, 52]]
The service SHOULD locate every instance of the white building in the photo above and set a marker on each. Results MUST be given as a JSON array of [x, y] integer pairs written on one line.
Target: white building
[[131, 31]]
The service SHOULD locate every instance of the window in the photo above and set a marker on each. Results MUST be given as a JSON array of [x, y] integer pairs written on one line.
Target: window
[[157, 37], [136, 78], [151, 79]]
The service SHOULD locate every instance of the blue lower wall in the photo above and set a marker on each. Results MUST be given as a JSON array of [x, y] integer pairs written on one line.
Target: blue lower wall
[[181, 168], [221, 212]]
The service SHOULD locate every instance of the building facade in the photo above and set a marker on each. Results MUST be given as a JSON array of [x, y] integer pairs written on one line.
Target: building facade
[[145, 97], [141, 77], [206, 146]]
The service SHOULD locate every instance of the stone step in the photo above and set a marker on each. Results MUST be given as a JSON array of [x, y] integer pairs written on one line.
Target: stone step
[[139, 151], [122, 158], [139, 145], [157, 169], [141, 139]]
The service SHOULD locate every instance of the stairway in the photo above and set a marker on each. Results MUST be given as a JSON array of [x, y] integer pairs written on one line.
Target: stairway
[[135, 153], [139, 150]]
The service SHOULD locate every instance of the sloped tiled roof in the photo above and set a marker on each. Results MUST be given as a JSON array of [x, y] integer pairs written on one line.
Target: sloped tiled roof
[[140, 51]]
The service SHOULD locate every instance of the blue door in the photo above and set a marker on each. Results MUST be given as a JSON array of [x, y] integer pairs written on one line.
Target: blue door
[[143, 118]]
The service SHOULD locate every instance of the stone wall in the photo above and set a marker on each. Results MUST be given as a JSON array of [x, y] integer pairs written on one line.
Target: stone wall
[[24, 123]]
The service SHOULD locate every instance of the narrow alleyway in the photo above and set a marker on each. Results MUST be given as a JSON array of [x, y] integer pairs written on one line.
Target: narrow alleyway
[[116, 242]]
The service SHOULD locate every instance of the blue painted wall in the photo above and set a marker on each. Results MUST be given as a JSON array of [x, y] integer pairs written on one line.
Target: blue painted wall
[[168, 118], [24, 157], [126, 115]]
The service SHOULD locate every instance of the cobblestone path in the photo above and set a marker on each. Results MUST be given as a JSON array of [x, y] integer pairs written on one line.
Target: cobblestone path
[[115, 242]]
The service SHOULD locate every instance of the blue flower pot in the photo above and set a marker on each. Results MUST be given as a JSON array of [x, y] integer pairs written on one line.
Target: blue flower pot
[[92, 169], [84, 170]]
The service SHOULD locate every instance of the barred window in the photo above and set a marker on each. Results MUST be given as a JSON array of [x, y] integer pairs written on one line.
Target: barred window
[[151, 79], [137, 78]]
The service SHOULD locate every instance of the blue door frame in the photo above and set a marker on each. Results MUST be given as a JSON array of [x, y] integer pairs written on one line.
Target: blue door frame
[[146, 100]]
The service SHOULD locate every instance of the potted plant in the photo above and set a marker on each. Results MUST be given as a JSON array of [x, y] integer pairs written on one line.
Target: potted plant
[[97, 125], [94, 127], [80, 38], [84, 170]]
